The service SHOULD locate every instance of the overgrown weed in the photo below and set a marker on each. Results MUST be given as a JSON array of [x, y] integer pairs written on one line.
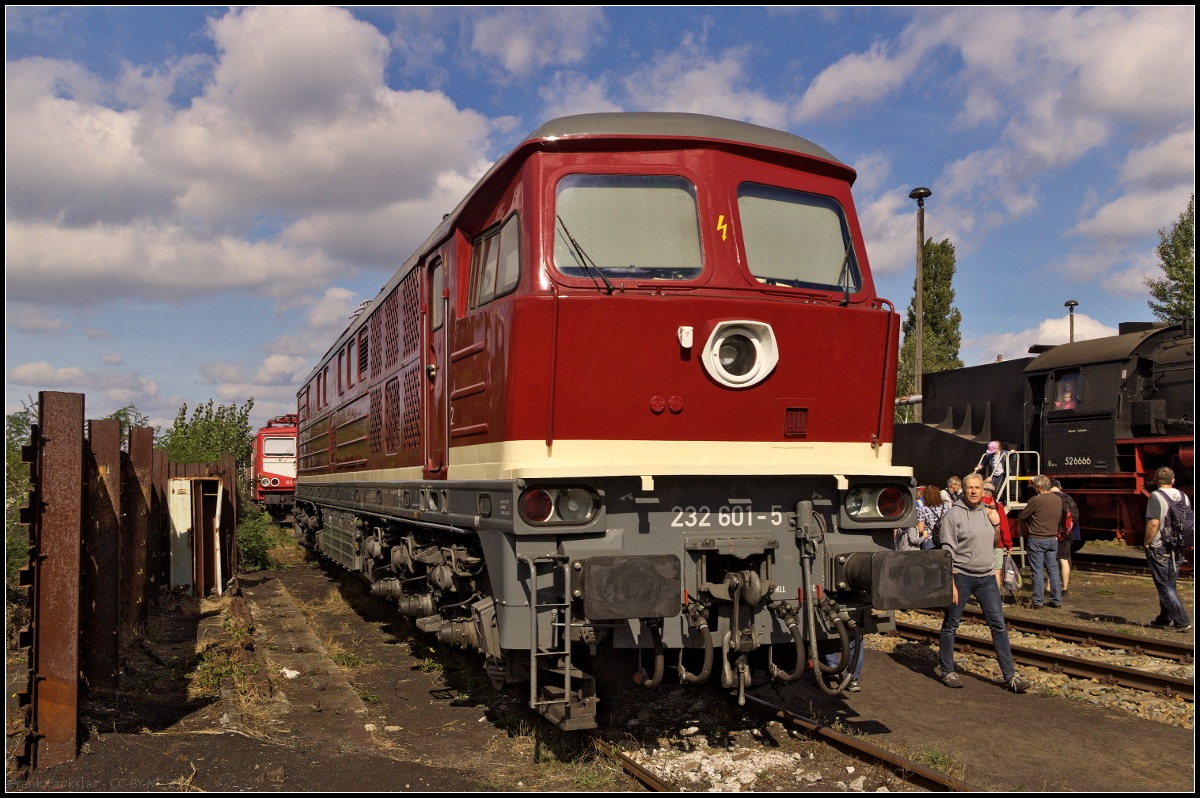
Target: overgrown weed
[[259, 541]]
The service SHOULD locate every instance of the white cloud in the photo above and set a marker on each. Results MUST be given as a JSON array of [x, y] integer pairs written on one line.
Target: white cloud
[[35, 320], [688, 80], [113, 360], [171, 263], [858, 80], [1060, 83], [570, 93], [1136, 214], [332, 312], [1131, 282], [294, 130], [117, 388], [888, 226], [95, 333], [525, 39], [1168, 160], [1050, 331]]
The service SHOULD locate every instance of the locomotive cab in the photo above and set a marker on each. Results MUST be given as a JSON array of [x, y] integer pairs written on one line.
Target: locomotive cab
[[275, 465]]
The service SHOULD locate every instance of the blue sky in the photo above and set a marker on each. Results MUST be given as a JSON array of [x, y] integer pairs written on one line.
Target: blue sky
[[198, 198]]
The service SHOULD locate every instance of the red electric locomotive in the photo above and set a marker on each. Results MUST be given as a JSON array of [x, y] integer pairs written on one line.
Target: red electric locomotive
[[633, 394], [275, 465]]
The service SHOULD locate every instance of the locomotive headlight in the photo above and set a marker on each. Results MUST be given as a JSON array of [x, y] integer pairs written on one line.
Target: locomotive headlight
[[854, 502], [576, 505], [891, 503], [537, 506], [274, 482], [265, 482], [737, 355], [551, 506], [740, 354], [876, 503]]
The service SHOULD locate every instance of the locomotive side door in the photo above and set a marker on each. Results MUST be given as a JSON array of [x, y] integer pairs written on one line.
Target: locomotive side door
[[437, 305]]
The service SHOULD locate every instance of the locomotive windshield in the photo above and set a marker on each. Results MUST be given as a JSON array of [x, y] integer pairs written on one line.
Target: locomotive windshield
[[796, 239], [279, 447], [630, 226]]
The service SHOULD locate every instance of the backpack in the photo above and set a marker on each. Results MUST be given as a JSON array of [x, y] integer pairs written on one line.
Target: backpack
[[1011, 575], [1071, 523], [1178, 529]]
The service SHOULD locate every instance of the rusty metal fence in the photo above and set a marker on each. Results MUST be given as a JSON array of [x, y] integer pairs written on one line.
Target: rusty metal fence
[[99, 533]]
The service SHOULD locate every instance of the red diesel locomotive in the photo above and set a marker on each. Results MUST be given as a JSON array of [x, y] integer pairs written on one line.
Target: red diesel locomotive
[[275, 465], [633, 393]]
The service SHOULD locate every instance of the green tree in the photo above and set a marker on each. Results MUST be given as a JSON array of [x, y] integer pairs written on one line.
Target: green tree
[[130, 416], [211, 430], [17, 427], [1174, 295], [942, 337]]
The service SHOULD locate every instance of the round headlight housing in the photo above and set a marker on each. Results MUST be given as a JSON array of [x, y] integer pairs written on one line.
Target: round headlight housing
[[740, 354], [537, 506], [737, 355], [891, 503], [265, 482], [576, 505]]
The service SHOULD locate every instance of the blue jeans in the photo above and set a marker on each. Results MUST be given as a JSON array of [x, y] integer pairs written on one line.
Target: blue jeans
[[1164, 568], [988, 594], [1043, 552], [832, 660]]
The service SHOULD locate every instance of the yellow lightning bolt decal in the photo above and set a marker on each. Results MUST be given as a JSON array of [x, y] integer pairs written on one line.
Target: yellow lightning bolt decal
[[724, 228]]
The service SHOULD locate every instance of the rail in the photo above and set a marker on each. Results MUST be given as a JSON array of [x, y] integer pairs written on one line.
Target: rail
[[633, 768], [927, 776], [1135, 644], [1062, 663]]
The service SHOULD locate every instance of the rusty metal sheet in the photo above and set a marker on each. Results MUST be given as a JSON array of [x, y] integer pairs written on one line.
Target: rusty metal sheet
[[135, 530], [159, 557], [57, 520], [101, 549], [229, 515]]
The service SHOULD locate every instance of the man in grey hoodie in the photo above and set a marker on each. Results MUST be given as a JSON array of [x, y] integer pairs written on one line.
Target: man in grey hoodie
[[970, 531]]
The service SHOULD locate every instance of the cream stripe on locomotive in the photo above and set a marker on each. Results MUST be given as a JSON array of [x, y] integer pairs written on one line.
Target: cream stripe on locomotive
[[585, 458], [580, 459]]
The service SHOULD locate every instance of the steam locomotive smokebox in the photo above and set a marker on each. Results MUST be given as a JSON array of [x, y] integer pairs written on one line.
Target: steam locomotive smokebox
[[631, 587], [903, 580]]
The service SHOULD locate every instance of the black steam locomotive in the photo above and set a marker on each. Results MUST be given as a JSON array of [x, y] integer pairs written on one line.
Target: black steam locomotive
[[1099, 415]]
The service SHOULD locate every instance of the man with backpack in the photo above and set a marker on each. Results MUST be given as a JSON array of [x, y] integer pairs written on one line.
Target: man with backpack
[[1170, 533]]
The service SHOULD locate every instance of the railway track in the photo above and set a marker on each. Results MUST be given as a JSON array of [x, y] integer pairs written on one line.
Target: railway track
[[913, 772], [1118, 564], [1077, 666], [1183, 653]]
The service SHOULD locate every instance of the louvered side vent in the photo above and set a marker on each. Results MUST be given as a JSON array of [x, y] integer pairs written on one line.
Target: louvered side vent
[[391, 330], [411, 434], [375, 433], [376, 343], [411, 313], [795, 422], [392, 420]]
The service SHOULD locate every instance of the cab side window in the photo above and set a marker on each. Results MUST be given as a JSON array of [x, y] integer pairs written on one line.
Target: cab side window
[[496, 263], [1067, 390]]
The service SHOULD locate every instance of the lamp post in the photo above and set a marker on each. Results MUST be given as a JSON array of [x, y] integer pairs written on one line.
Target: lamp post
[[919, 194], [1070, 305]]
